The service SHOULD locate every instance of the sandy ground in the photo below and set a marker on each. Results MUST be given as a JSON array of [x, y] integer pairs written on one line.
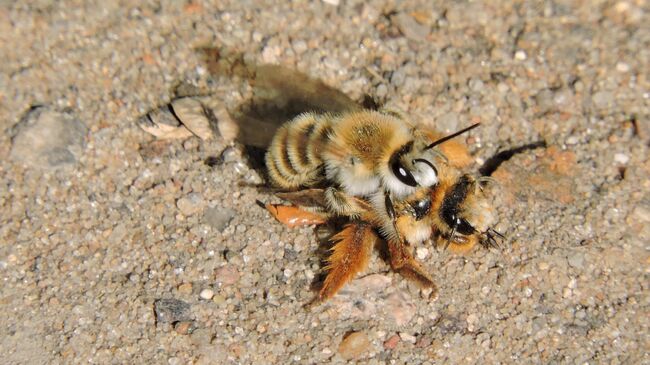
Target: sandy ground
[[116, 247]]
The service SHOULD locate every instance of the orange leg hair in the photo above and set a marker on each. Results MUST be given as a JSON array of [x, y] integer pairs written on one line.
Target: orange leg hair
[[352, 249], [292, 216], [349, 256], [403, 262]]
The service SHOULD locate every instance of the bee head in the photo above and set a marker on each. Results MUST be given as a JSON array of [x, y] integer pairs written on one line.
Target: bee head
[[460, 199]]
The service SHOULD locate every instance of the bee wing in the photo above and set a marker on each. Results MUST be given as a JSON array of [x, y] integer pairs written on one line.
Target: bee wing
[[349, 256], [315, 198], [305, 198]]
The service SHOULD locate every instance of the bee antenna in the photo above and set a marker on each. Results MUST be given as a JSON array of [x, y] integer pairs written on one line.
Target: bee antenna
[[453, 232], [445, 139], [497, 233]]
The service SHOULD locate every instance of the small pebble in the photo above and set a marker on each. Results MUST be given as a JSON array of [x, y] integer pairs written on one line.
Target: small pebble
[[45, 139], [603, 99], [227, 275], [622, 67], [190, 204], [354, 345], [410, 27], [621, 158], [391, 342], [423, 341], [219, 299], [218, 217], [230, 154], [572, 140], [422, 253], [206, 294], [184, 327], [171, 310], [576, 260], [185, 288], [406, 337], [520, 55], [641, 213], [400, 308]]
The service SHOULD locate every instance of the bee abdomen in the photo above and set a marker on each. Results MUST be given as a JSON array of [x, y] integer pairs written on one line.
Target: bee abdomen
[[293, 158]]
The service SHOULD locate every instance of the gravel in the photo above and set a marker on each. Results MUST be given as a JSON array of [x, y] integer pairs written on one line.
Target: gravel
[[47, 139], [118, 245]]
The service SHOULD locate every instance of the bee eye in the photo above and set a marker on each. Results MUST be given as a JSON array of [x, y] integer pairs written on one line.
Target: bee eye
[[463, 226], [402, 173], [421, 208]]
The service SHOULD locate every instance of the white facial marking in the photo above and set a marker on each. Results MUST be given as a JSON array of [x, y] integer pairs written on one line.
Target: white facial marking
[[425, 175]]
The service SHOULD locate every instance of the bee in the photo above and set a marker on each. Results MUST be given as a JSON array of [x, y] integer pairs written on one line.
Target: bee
[[456, 213], [355, 154]]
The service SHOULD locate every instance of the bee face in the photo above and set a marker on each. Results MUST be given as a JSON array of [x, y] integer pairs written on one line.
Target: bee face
[[455, 211], [465, 216]]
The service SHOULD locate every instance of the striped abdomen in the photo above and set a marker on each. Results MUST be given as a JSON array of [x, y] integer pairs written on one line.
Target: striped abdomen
[[293, 159]]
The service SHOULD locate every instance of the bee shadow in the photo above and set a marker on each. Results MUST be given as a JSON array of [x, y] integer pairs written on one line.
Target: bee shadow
[[279, 94]]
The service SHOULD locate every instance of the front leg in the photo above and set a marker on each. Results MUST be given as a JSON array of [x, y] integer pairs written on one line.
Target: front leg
[[342, 204], [403, 262]]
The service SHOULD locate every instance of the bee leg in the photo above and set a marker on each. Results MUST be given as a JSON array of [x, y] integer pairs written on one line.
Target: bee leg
[[341, 204], [390, 210], [486, 181], [491, 239], [403, 262], [292, 216], [451, 237], [349, 256], [496, 232]]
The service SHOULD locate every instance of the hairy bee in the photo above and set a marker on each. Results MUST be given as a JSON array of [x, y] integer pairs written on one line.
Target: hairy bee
[[356, 154], [455, 212], [385, 176]]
